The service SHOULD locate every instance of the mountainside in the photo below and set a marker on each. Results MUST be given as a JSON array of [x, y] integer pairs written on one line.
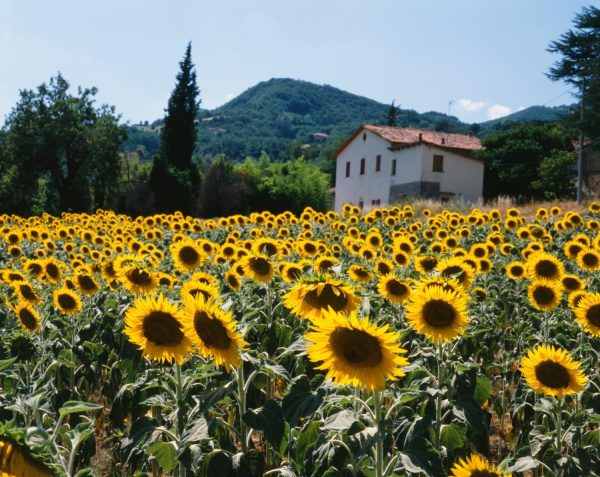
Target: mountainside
[[278, 114], [533, 113]]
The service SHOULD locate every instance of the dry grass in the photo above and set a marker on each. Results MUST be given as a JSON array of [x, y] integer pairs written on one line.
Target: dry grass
[[501, 203]]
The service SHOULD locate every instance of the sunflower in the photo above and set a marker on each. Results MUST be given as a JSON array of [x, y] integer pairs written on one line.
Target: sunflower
[[552, 371], [360, 274], [587, 313], [572, 283], [52, 269], [195, 288], [310, 297], [258, 267], [516, 270], [354, 351], [233, 280], [187, 256], [213, 331], [439, 314], [138, 280], [476, 466], [589, 259], [543, 265], [29, 318], [16, 461], [67, 301], [325, 263], [155, 326], [457, 268], [393, 289], [425, 264], [26, 292], [86, 284], [544, 295]]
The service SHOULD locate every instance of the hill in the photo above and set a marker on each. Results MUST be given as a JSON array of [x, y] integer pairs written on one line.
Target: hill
[[274, 114], [277, 115]]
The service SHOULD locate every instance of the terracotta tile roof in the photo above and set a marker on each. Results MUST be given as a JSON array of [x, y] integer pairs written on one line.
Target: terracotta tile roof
[[405, 136]]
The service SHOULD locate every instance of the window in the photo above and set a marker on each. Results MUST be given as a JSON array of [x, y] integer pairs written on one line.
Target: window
[[361, 204], [393, 167], [348, 169], [375, 202], [364, 137], [362, 167], [438, 163], [378, 163]]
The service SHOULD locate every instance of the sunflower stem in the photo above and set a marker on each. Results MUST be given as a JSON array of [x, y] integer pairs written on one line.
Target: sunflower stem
[[559, 424], [242, 405], [180, 412], [377, 404], [438, 398]]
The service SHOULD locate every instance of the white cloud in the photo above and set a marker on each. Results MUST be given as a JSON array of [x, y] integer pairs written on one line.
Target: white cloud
[[229, 97], [497, 111], [465, 104]]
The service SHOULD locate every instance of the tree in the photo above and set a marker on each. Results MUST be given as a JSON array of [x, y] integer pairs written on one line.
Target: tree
[[174, 177], [59, 151], [223, 190], [391, 118], [513, 157], [556, 175], [580, 65]]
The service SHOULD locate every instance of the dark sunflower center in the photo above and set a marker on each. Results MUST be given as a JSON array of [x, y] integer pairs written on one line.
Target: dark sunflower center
[[552, 375], [361, 273], [162, 329], [164, 281], [328, 297], [439, 313], [198, 291], [428, 264], [309, 248], [86, 283], [571, 283], [593, 315], [479, 252], [233, 281], [401, 259], [269, 248], [546, 268], [35, 268], [52, 270], [294, 273], [66, 302], [110, 270], [139, 277], [543, 295], [27, 319], [188, 255], [260, 266], [455, 271], [394, 287], [325, 264], [356, 347], [211, 331], [27, 292], [590, 259], [383, 268], [517, 270]]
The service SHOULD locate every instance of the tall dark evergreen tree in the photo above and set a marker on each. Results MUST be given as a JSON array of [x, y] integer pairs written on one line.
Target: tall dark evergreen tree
[[580, 65], [174, 177], [391, 118]]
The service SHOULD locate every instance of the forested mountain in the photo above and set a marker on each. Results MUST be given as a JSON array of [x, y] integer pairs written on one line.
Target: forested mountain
[[276, 115]]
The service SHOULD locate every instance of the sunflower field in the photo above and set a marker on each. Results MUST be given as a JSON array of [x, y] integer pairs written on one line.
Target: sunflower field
[[393, 343]]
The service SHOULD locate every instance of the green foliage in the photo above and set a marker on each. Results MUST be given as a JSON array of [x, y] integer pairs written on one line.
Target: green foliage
[[223, 190], [58, 152], [281, 186], [513, 158], [579, 65], [556, 177]]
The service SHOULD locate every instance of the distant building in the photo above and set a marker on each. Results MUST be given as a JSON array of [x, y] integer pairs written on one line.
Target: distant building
[[379, 165]]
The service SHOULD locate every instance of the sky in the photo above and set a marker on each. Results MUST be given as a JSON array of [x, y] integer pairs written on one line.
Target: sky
[[478, 59]]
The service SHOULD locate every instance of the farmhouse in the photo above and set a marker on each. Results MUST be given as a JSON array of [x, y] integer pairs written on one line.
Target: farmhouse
[[379, 165]]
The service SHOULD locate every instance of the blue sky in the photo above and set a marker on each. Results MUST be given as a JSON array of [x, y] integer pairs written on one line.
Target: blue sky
[[488, 56]]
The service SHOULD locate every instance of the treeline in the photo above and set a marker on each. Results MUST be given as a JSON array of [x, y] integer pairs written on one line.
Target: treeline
[[60, 152]]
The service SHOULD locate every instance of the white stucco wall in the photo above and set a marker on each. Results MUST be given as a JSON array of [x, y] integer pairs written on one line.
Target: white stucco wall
[[372, 185], [462, 176]]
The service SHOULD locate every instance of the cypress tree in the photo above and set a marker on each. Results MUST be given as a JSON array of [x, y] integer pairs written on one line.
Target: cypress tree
[[174, 177]]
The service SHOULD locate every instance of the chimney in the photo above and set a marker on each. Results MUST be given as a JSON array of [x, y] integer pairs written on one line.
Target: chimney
[[443, 140], [420, 136]]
